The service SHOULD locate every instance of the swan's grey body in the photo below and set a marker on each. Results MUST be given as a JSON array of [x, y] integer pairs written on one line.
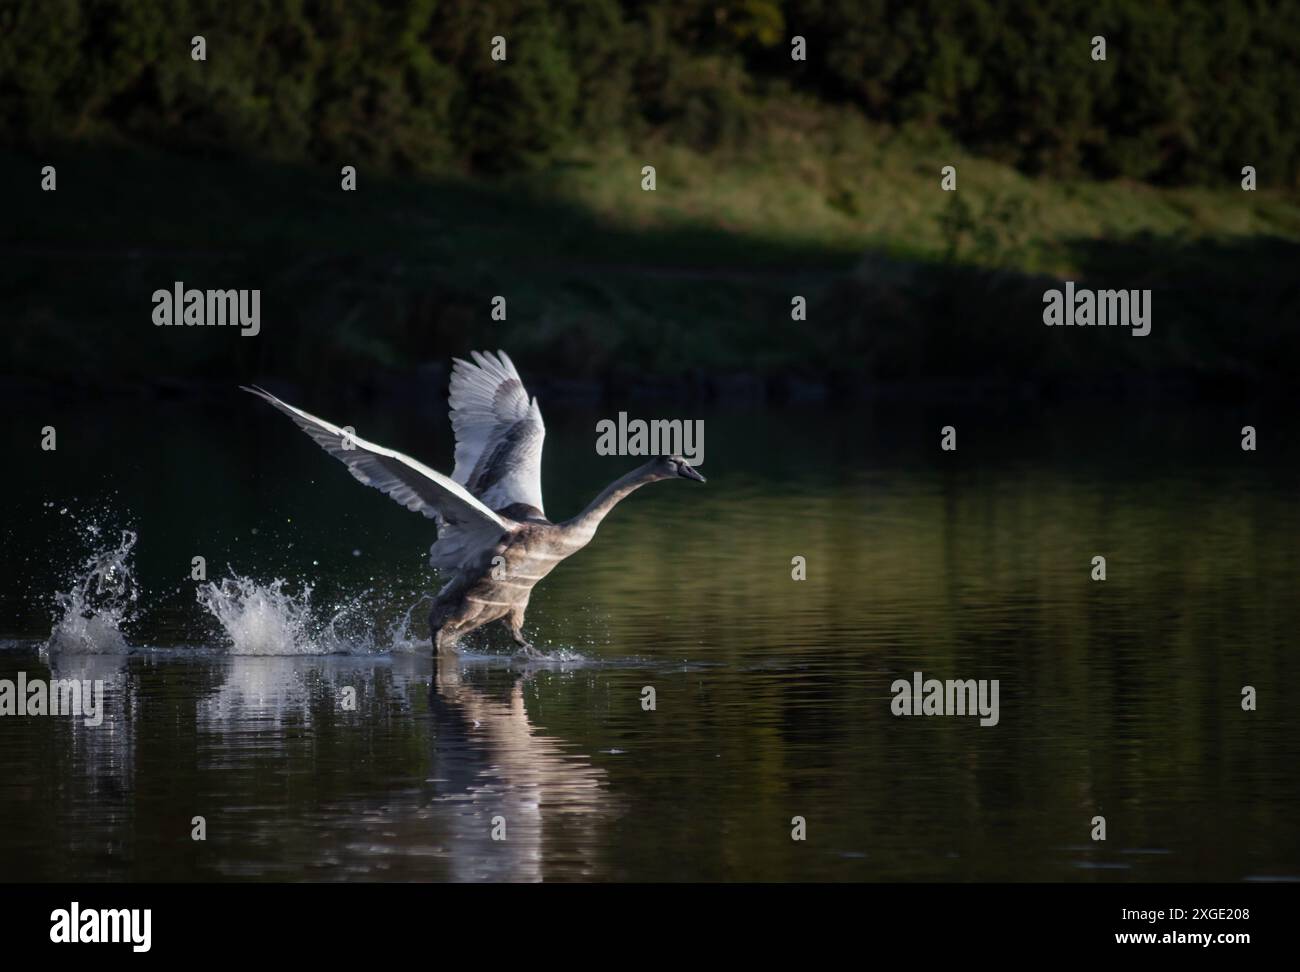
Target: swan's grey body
[[492, 530]]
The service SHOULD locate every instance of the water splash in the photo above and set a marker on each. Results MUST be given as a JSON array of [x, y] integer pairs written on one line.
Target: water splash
[[355, 625], [266, 619], [102, 597], [261, 619]]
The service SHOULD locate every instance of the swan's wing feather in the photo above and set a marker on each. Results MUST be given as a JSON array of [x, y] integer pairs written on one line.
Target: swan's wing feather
[[466, 525], [499, 432]]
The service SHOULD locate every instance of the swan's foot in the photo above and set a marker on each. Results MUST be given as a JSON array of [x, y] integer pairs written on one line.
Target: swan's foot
[[444, 639], [524, 648]]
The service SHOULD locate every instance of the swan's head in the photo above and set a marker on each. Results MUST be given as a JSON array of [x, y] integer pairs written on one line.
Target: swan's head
[[674, 467]]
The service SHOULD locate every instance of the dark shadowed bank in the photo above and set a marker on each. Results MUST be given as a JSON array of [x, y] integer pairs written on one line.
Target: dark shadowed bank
[[379, 290]]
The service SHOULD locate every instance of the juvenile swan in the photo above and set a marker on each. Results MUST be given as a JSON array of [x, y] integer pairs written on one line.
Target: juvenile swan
[[491, 506]]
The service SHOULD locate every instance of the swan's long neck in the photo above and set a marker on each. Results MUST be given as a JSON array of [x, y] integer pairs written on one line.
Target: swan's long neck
[[583, 526]]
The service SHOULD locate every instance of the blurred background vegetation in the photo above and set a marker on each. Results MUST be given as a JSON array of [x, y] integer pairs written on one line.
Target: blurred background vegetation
[[775, 177]]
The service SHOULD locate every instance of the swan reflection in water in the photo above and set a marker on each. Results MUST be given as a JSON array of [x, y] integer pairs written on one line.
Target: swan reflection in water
[[396, 794], [493, 769]]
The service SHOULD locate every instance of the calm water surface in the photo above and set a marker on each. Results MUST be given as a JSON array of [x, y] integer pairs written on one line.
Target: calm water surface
[[1119, 699]]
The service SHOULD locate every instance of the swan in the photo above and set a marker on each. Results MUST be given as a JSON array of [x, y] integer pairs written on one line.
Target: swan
[[493, 534]]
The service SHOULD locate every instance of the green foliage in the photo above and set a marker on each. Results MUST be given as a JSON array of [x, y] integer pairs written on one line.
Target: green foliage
[[1190, 91]]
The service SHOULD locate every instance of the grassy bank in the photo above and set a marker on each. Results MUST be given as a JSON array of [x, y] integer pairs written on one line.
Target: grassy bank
[[608, 283]]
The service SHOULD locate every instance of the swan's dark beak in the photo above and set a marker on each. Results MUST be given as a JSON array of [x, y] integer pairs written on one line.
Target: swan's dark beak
[[688, 472]]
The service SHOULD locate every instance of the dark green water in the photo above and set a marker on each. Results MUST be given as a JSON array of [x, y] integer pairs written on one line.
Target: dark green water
[[1118, 698]]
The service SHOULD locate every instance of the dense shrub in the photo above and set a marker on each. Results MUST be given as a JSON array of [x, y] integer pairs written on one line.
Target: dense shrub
[[1191, 89]]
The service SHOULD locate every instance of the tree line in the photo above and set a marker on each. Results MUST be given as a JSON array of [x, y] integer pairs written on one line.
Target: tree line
[[1190, 90]]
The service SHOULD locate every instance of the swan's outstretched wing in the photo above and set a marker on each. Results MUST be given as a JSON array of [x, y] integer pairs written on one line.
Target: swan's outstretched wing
[[499, 432], [465, 526]]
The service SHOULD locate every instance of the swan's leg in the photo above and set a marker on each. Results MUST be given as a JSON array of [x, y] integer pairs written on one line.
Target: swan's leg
[[452, 622], [453, 614], [445, 638], [515, 620], [445, 631], [448, 623], [442, 628]]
